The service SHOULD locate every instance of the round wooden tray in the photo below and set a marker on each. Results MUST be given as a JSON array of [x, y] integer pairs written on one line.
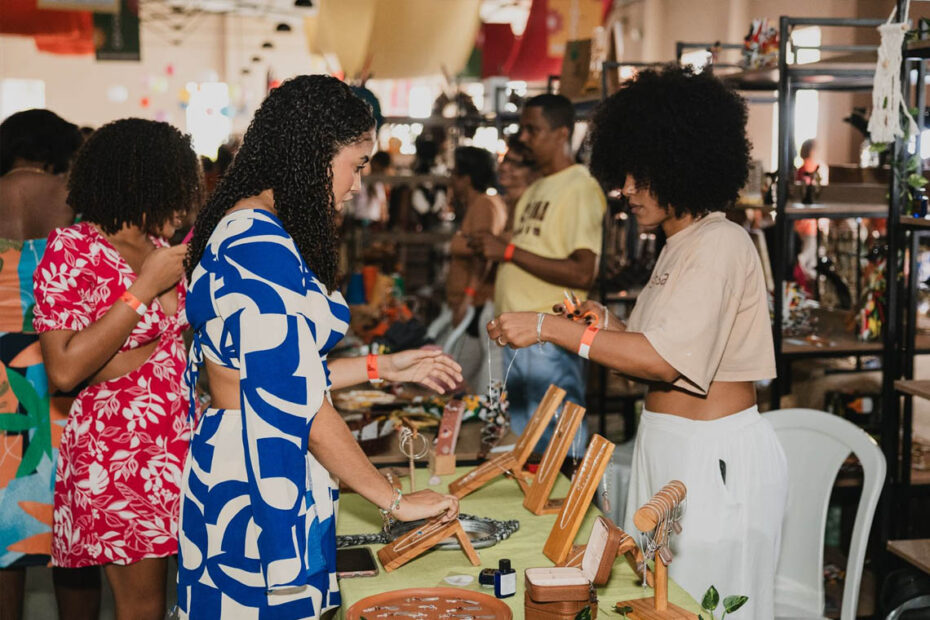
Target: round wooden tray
[[448, 598]]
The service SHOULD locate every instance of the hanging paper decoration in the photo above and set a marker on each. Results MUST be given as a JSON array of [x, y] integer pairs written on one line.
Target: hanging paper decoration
[[117, 94], [530, 59], [169, 70], [760, 46], [144, 102], [117, 34]]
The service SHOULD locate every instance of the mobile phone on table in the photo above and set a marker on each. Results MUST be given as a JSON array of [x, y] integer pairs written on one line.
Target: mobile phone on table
[[355, 562]]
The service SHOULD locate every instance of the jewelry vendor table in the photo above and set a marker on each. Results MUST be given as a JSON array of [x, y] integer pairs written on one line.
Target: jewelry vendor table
[[501, 499]]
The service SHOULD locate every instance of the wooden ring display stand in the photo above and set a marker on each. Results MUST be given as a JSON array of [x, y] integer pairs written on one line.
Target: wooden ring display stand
[[537, 496], [417, 542], [512, 462], [650, 517], [584, 484]]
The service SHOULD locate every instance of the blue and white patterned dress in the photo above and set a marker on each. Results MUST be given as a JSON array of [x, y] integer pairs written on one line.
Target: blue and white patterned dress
[[258, 522]]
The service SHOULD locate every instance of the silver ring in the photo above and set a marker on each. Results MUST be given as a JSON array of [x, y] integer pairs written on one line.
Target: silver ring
[[499, 343]]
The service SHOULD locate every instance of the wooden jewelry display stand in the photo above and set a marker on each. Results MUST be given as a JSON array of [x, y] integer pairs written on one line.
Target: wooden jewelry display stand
[[419, 541], [442, 454], [511, 463], [627, 549], [537, 496], [660, 515], [584, 484]]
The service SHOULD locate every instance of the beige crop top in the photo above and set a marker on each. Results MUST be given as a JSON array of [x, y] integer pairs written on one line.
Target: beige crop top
[[705, 308]]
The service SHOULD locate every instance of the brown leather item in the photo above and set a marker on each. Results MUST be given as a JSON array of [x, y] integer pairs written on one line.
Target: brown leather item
[[601, 551], [556, 610]]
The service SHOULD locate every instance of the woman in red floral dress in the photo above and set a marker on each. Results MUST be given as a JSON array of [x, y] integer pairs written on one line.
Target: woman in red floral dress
[[110, 311]]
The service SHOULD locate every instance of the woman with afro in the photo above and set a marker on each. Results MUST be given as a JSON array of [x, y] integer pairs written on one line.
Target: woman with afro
[[109, 308], [674, 144], [258, 514]]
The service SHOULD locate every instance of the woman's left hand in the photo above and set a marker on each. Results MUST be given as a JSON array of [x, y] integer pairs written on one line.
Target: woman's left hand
[[515, 329], [431, 368]]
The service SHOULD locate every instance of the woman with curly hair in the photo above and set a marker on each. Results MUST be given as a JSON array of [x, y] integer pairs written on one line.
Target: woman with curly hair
[[700, 333], [258, 513], [110, 312]]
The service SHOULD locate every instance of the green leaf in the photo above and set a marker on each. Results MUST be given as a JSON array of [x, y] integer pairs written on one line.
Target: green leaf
[[584, 614], [25, 393], [732, 603], [711, 599], [916, 180], [878, 147], [623, 611]]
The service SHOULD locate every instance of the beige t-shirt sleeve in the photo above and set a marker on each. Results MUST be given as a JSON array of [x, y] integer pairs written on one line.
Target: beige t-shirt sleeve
[[691, 321]]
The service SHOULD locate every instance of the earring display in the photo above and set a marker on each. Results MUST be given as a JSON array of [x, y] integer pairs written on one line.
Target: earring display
[[511, 463], [537, 496], [584, 485]]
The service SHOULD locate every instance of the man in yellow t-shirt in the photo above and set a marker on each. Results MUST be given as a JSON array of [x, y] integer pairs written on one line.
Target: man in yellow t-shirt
[[558, 225]]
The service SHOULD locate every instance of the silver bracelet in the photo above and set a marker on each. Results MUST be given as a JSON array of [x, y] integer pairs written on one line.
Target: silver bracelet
[[539, 321]]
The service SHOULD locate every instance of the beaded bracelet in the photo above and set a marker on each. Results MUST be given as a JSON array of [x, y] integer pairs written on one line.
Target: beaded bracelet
[[387, 514]]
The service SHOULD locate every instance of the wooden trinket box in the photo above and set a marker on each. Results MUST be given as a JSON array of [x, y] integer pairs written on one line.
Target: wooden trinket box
[[562, 592]]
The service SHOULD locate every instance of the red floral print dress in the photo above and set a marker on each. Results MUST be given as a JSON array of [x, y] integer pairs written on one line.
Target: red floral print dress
[[125, 441]]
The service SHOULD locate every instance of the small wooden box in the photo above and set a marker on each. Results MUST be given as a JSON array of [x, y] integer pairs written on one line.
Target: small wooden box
[[563, 591]]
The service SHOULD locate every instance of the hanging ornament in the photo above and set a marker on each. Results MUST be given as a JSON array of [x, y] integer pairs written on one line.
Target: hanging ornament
[[117, 93], [144, 102], [169, 69]]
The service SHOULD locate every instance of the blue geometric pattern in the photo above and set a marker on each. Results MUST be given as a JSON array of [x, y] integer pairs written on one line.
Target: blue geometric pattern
[[257, 529]]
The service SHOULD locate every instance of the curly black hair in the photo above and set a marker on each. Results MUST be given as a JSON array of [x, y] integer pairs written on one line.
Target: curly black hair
[[135, 171], [288, 148], [39, 136], [679, 133], [478, 165]]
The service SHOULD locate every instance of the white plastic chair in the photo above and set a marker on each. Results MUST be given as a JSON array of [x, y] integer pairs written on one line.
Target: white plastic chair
[[816, 443], [439, 330]]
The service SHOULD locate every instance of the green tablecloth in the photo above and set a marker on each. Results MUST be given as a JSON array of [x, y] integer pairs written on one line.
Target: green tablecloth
[[501, 499]]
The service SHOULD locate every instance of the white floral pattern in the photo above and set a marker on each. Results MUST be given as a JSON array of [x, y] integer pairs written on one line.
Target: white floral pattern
[[123, 448]]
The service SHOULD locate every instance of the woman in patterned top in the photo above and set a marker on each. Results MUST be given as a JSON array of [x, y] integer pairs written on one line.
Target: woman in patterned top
[[258, 512], [109, 307]]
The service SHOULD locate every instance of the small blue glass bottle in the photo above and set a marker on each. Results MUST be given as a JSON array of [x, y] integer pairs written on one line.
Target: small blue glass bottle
[[505, 580]]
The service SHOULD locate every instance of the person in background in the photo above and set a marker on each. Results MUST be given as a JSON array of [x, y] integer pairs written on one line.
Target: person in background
[[516, 172], [370, 205], [558, 225], [109, 308], [470, 282], [700, 334], [811, 172], [36, 149], [257, 533]]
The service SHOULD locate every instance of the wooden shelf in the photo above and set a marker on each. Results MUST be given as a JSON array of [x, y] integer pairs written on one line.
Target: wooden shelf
[[801, 211], [919, 388], [917, 49], [840, 343], [914, 222], [917, 552]]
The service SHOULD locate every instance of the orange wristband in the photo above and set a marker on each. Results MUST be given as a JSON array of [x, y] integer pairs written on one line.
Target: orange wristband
[[508, 252], [587, 339], [133, 302], [371, 363], [469, 291]]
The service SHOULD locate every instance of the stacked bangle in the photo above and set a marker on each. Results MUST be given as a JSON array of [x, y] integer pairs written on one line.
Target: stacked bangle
[[133, 302], [387, 514], [587, 339], [540, 316]]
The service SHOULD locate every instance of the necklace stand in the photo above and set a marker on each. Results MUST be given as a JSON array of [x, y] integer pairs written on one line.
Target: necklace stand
[[537, 496], [584, 484], [511, 463], [659, 515], [417, 542]]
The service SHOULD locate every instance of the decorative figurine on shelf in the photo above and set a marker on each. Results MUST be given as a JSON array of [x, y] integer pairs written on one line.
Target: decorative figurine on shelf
[[871, 316], [760, 46], [796, 311]]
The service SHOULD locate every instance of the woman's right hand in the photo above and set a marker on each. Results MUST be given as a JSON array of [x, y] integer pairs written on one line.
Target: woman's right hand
[[426, 504], [161, 270]]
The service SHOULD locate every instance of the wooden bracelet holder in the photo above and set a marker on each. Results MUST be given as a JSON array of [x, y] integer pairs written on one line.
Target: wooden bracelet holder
[[653, 516]]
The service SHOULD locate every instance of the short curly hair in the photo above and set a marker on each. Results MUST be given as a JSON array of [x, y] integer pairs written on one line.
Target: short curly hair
[[135, 171], [289, 148], [478, 165], [679, 133], [39, 136]]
